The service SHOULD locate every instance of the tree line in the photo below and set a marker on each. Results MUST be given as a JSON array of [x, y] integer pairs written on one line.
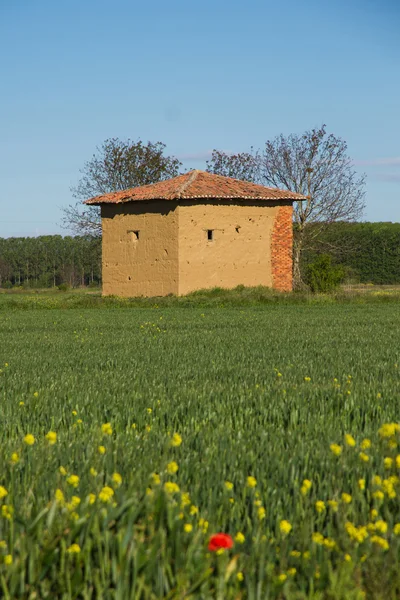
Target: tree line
[[368, 253], [50, 261]]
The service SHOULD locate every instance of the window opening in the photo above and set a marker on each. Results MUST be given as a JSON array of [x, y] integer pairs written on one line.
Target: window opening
[[210, 234]]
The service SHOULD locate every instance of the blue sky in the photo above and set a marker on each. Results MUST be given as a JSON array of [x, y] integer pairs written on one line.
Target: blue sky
[[196, 76]]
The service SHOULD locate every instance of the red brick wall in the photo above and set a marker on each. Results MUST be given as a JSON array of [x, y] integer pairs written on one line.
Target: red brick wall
[[282, 248]]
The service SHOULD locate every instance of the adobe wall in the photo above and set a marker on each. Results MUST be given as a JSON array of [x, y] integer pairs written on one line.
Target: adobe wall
[[240, 252], [147, 266]]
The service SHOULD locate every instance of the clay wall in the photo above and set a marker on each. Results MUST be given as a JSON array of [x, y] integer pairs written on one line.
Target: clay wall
[[240, 251], [147, 266], [282, 249]]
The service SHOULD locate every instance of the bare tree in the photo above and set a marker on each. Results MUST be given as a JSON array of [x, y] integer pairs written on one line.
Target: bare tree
[[117, 165], [244, 165], [317, 165]]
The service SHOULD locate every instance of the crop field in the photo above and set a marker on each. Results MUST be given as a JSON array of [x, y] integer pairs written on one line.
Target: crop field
[[130, 438]]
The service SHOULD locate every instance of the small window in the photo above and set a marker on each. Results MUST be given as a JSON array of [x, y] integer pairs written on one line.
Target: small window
[[134, 235], [210, 234]]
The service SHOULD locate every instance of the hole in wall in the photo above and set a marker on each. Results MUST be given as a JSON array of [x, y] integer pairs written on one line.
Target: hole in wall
[[134, 234], [210, 234]]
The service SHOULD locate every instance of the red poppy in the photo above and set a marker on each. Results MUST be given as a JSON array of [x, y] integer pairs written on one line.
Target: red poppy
[[220, 540]]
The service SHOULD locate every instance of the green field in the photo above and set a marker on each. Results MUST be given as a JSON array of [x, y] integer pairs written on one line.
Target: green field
[[253, 391]]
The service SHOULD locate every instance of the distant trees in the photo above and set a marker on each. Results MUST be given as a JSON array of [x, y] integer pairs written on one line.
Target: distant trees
[[116, 165], [314, 164], [48, 261]]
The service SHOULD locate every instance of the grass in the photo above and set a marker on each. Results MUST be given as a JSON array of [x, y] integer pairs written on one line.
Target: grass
[[259, 389]]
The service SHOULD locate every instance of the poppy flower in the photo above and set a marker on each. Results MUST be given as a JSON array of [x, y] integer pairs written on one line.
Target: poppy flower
[[220, 540]]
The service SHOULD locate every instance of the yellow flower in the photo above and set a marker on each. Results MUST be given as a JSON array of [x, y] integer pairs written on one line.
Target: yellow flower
[[51, 437], [261, 513], [307, 379], [133, 425], [74, 413], [349, 440], [62, 470], [381, 526], [149, 410], [364, 457], [346, 498], [380, 541], [74, 549], [396, 529], [148, 428], [365, 444], [317, 538], [106, 494], [388, 430], [251, 482], [361, 484], [29, 439], [8, 559], [193, 510], [388, 462], [228, 485], [306, 486], [35, 394], [59, 496], [295, 553], [379, 495], [22, 403], [73, 480], [376, 480], [373, 514], [239, 538], [117, 479], [282, 577], [185, 499], [188, 527], [155, 478], [3, 545], [333, 504], [101, 450], [320, 506], [329, 544], [285, 527], [172, 467], [292, 571], [232, 500], [92, 498], [176, 440], [358, 534], [7, 511], [347, 557], [14, 458], [106, 429], [336, 449], [73, 516], [204, 525], [3, 492], [93, 472], [398, 461], [239, 576], [170, 487], [79, 422]]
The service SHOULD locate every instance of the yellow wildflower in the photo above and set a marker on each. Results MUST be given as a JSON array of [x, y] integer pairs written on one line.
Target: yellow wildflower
[[35, 394], [29, 439], [346, 498], [307, 379], [239, 538], [396, 529], [101, 450], [14, 458], [193, 510], [285, 527], [170, 487], [185, 499], [107, 429], [320, 506], [329, 544], [239, 576], [228, 485], [282, 577], [59, 496], [62, 470], [365, 444], [149, 410], [388, 462], [73, 480], [361, 484], [261, 513], [381, 526], [317, 538], [93, 472], [91, 498], [388, 430], [349, 440], [22, 403], [364, 457], [292, 571], [295, 554], [377, 480], [379, 495], [106, 494], [51, 437], [7, 511], [380, 541], [398, 461], [8, 559], [188, 527], [333, 504], [74, 549], [74, 413], [347, 558], [3, 492], [373, 514], [155, 478], [306, 486], [176, 440], [172, 467], [251, 482], [336, 449], [117, 479]]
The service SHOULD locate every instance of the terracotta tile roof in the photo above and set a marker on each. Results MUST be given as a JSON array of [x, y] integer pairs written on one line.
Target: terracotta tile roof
[[197, 184]]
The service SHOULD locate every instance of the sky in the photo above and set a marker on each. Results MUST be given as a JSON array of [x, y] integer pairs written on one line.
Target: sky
[[196, 76]]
